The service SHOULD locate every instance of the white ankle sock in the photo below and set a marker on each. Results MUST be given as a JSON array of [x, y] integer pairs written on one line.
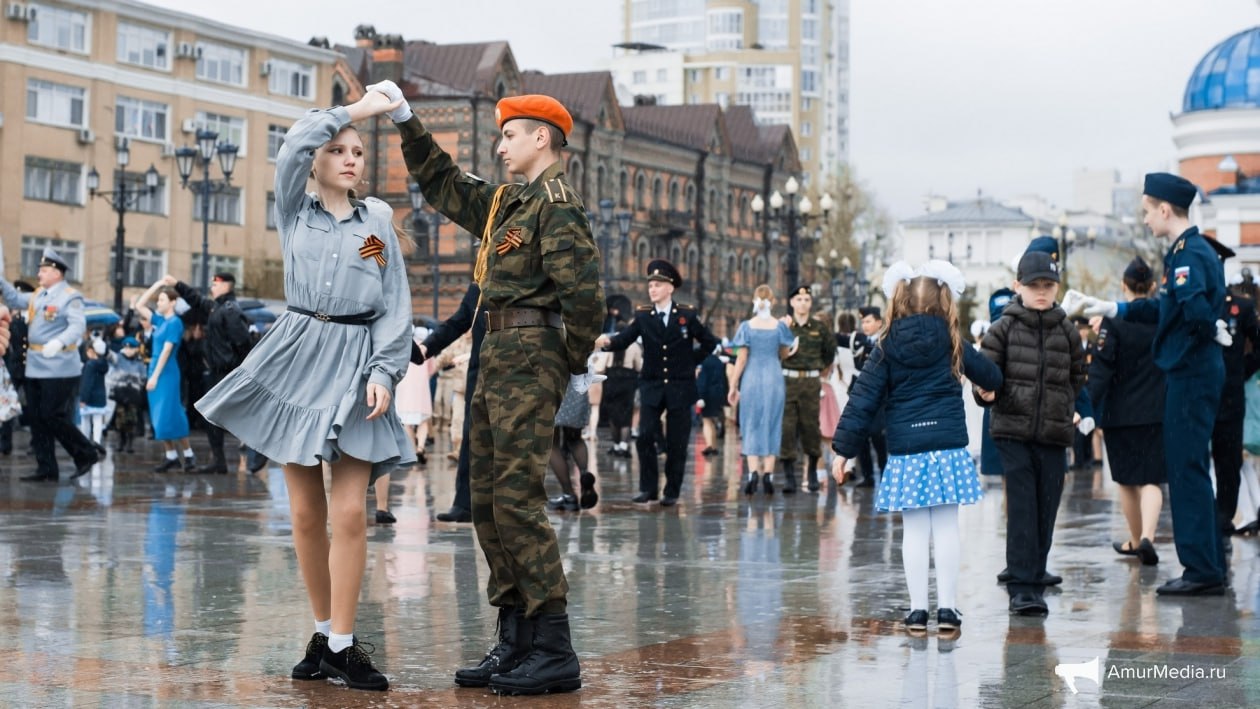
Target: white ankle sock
[[188, 453], [338, 642], [323, 626], [172, 455]]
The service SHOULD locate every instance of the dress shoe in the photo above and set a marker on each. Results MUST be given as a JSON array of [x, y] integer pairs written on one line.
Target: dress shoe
[[668, 501], [1248, 530], [750, 487], [563, 503], [1045, 579], [455, 514], [516, 640], [1028, 604], [589, 497], [354, 667], [1182, 587], [644, 497], [385, 517], [948, 619], [421, 459], [81, 469], [916, 621], [213, 469], [709, 452], [1125, 548], [259, 461], [308, 668], [550, 666], [190, 464], [1146, 552], [37, 478], [100, 449], [167, 465]]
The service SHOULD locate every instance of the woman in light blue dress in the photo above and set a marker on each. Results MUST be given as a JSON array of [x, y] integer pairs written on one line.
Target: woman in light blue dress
[[166, 408], [756, 386], [319, 386]]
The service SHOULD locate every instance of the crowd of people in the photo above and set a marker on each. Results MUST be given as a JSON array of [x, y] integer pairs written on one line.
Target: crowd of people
[[344, 387]]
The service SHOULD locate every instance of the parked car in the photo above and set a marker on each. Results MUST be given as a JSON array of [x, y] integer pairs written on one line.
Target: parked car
[[257, 313]]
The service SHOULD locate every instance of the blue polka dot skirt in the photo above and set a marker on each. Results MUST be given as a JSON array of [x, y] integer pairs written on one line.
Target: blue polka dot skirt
[[945, 477]]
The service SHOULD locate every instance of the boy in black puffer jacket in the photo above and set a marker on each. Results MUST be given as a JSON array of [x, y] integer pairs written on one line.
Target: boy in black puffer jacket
[[1043, 365]]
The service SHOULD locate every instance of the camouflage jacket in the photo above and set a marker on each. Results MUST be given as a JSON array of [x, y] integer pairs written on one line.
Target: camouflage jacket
[[544, 255]]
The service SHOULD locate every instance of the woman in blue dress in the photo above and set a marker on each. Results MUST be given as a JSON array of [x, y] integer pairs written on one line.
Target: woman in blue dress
[[757, 380], [166, 410]]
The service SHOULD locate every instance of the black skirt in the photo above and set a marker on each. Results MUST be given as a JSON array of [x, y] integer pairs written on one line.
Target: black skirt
[[1136, 454], [618, 402]]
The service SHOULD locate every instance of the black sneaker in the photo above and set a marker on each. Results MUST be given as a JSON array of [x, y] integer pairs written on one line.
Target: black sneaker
[[354, 667], [916, 621], [563, 503], [385, 517], [167, 465], [948, 620], [308, 668]]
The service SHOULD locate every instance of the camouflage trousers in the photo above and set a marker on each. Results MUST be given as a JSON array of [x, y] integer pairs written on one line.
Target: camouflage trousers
[[800, 417], [523, 376]]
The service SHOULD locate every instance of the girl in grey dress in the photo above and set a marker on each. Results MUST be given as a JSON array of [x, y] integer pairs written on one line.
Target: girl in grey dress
[[318, 388]]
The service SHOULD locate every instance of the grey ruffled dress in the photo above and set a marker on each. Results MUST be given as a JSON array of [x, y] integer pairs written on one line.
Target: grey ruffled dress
[[300, 396]]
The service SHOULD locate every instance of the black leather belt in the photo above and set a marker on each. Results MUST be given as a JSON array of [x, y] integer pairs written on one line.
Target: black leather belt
[[356, 319], [521, 317]]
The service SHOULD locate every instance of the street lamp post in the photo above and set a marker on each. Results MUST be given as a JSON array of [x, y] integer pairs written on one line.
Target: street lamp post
[[606, 218], [208, 146], [418, 223], [123, 199], [792, 215]]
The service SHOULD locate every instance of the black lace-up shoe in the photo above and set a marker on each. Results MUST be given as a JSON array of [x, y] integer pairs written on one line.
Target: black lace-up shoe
[[948, 620], [308, 668], [354, 667], [916, 621]]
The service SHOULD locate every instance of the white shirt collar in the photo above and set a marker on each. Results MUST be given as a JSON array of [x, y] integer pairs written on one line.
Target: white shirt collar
[[665, 307]]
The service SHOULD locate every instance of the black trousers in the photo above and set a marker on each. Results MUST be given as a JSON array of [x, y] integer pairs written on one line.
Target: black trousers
[[881, 451], [1227, 450], [214, 434], [677, 436], [463, 488], [1034, 486], [50, 408]]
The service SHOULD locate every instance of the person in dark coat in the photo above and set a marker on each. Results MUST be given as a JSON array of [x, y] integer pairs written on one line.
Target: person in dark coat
[[711, 385], [861, 342], [1127, 390]]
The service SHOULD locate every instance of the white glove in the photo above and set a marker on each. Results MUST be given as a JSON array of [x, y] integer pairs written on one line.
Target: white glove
[[1086, 426], [98, 345], [1091, 306], [1222, 334], [699, 403], [393, 93], [52, 348]]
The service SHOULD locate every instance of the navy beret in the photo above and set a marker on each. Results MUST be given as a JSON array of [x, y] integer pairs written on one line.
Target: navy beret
[[1044, 244], [1177, 191], [802, 289]]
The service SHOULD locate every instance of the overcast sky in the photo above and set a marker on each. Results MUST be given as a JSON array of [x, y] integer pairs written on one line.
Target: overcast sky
[[1007, 96]]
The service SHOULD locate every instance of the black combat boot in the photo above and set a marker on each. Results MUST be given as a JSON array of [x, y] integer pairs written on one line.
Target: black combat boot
[[551, 666], [811, 474], [789, 477], [516, 639]]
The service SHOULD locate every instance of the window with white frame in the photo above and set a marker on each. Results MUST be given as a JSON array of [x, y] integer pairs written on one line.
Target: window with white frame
[[57, 104], [57, 27], [221, 63], [33, 252], [271, 210], [291, 78], [144, 46], [138, 118], [809, 81], [721, 73], [639, 77], [662, 75], [218, 264], [52, 181], [807, 129], [225, 206], [275, 138], [694, 74], [147, 203], [141, 267], [230, 129]]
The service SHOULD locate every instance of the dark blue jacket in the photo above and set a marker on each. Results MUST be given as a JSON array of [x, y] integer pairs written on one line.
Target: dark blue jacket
[[909, 374], [92, 384]]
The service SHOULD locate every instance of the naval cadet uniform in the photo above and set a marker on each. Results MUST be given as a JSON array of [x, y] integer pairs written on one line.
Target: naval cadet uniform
[[55, 321]]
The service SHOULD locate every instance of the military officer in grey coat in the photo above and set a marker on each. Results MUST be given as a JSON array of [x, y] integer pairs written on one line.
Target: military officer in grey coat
[[56, 327]]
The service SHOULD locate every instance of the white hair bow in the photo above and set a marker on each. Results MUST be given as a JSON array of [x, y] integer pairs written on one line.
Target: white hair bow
[[900, 271], [946, 274]]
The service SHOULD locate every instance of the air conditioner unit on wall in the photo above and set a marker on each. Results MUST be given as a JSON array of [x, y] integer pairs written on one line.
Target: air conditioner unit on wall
[[264, 69], [18, 11], [168, 150], [187, 50], [86, 136], [189, 125]]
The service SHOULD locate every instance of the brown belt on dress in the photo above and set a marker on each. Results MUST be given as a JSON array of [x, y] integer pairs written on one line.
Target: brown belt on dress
[[521, 317]]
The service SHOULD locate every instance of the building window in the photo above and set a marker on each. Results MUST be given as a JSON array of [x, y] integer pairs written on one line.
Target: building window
[[57, 104], [809, 81], [146, 203], [623, 188], [695, 75], [52, 181], [291, 78], [218, 264], [721, 73], [658, 190], [805, 154], [662, 75], [640, 190], [673, 195], [221, 63], [639, 77], [57, 27], [271, 210], [140, 119], [230, 130], [225, 206], [33, 252], [723, 98], [141, 266], [807, 129], [143, 46], [275, 138]]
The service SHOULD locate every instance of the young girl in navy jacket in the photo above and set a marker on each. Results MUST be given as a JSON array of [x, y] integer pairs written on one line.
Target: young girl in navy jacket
[[915, 375]]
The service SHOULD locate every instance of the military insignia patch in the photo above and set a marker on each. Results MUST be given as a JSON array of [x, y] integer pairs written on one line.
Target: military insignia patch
[[1181, 244], [1181, 275], [511, 240], [373, 247], [50, 313]]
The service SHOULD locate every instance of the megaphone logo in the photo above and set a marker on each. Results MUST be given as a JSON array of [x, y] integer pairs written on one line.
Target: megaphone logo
[[1088, 670]]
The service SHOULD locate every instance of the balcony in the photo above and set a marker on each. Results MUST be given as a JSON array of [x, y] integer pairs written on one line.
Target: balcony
[[670, 223]]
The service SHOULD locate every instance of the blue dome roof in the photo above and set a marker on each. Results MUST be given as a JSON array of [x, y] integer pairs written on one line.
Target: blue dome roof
[[1228, 76]]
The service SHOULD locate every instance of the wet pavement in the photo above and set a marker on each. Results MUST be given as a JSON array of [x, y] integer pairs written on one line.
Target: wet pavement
[[130, 588]]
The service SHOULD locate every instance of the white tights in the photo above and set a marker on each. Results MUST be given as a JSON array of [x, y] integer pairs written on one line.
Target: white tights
[[939, 526]]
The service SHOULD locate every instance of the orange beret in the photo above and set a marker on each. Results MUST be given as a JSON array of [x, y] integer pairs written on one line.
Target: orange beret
[[535, 106]]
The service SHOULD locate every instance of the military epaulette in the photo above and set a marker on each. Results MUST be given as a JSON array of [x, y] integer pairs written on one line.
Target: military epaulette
[[475, 178], [556, 191], [683, 306], [1181, 244], [645, 308]]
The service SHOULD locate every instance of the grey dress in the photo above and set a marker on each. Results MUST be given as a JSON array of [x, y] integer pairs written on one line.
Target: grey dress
[[300, 395], [761, 389]]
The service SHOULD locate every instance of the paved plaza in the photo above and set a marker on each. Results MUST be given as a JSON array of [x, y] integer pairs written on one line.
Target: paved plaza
[[133, 589]]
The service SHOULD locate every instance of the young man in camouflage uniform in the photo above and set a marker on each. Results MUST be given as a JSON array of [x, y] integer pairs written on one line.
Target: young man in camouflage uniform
[[538, 269], [802, 379]]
